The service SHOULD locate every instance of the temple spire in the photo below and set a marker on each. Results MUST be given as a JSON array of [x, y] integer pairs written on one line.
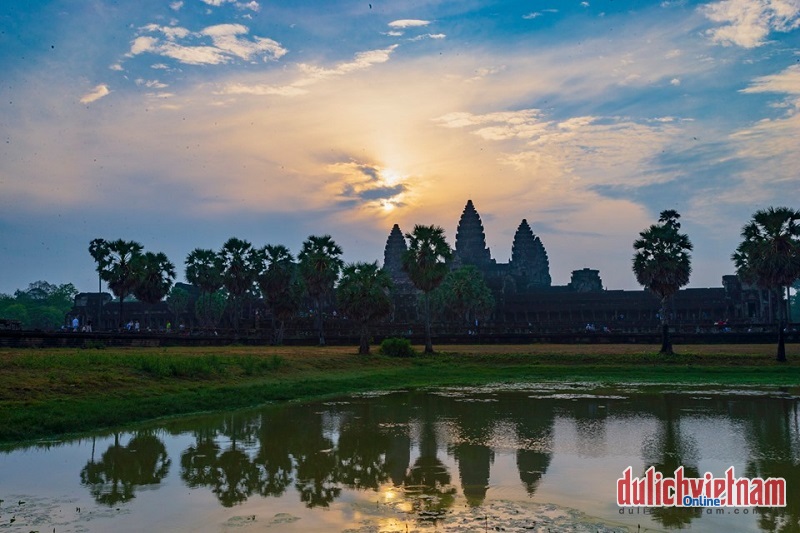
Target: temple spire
[[470, 238], [394, 250], [529, 258]]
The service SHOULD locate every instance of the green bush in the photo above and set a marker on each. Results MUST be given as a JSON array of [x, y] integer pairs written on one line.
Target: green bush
[[396, 347]]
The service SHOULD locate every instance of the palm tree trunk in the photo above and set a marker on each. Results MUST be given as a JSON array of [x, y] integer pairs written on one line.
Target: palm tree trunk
[[318, 303], [428, 341], [121, 299], [666, 344], [363, 345], [781, 357], [274, 325]]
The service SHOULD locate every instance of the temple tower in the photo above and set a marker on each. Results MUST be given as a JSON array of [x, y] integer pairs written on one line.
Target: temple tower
[[529, 258], [393, 252], [393, 258], [471, 240]]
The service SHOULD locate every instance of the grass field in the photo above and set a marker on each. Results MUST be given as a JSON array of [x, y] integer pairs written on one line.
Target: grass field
[[49, 392]]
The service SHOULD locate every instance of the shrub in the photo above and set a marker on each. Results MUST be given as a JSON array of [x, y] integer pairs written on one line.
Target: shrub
[[396, 347]]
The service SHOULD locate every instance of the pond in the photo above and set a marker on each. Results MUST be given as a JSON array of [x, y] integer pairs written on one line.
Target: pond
[[542, 457]]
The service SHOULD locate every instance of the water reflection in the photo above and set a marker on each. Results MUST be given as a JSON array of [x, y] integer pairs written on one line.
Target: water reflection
[[114, 478], [775, 439], [667, 450], [423, 451]]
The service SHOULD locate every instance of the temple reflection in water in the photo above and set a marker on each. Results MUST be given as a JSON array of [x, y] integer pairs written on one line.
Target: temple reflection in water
[[426, 451]]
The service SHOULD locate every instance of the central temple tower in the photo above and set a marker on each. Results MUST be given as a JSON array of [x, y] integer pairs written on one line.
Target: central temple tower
[[471, 240]]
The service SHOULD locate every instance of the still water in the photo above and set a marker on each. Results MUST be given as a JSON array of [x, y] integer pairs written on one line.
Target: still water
[[519, 458]]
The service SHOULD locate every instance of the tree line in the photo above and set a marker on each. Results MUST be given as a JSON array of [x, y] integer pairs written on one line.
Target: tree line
[[239, 270], [768, 257]]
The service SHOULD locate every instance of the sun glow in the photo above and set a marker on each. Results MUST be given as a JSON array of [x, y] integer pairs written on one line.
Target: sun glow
[[391, 177]]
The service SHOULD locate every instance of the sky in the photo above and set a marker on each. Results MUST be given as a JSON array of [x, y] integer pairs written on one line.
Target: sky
[[180, 124]]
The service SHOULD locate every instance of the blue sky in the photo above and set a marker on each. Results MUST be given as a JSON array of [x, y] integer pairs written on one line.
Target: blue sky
[[180, 124]]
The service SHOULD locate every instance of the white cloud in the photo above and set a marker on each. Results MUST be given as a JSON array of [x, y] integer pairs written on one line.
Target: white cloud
[[408, 23], [747, 23], [311, 74], [595, 150], [787, 81], [228, 40], [151, 84], [361, 61], [263, 90], [435, 36], [170, 32], [224, 36], [537, 14], [675, 82], [143, 44], [253, 6], [176, 6], [95, 94]]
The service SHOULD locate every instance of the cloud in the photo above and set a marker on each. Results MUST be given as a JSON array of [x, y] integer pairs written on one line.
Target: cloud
[[310, 75], [227, 43], [596, 150], [151, 84], [176, 6], [747, 23], [253, 5], [537, 14], [263, 90], [435, 36], [675, 82], [408, 23], [95, 94], [787, 81]]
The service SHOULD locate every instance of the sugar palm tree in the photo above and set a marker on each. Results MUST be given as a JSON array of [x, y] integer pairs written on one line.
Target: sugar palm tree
[[156, 273], [769, 256], [363, 295], [276, 275], [663, 265], [319, 267], [238, 259], [116, 263], [425, 262], [204, 270]]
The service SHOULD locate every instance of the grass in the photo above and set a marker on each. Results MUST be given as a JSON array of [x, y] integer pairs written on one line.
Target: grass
[[50, 392]]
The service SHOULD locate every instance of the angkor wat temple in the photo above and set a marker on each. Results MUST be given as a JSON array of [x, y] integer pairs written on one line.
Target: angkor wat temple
[[526, 300], [525, 294]]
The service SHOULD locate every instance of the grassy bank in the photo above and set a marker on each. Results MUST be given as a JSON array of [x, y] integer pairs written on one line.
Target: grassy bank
[[51, 392]]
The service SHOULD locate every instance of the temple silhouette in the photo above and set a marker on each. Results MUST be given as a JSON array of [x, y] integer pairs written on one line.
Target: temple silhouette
[[525, 295], [526, 301]]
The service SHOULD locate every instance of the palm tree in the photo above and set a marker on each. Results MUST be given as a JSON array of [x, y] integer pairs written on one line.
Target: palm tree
[[662, 264], [276, 273], [156, 273], [319, 267], [238, 259], [425, 262], [363, 295], [117, 262], [204, 270], [769, 256], [98, 249]]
